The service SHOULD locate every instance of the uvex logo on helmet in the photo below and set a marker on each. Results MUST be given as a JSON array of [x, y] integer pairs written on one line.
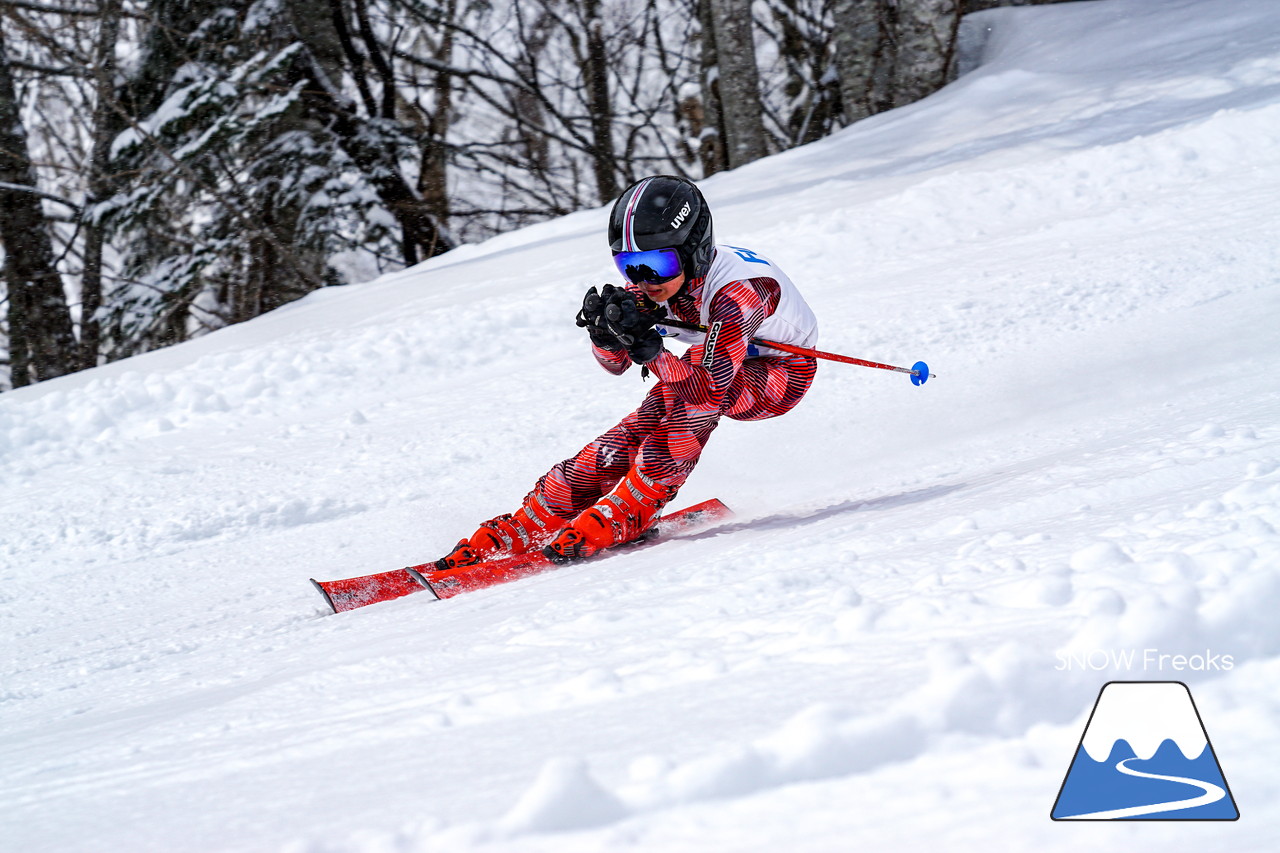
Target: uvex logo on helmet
[[679, 220]]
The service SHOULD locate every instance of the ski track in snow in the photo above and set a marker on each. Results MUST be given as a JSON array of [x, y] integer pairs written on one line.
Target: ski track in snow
[[1081, 236]]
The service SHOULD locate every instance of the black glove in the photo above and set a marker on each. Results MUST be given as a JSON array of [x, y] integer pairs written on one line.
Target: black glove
[[622, 315], [646, 346], [631, 321], [632, 325], [591, 318], [617, 320]]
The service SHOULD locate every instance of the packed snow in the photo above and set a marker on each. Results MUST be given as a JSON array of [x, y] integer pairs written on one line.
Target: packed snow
[[894, 645]]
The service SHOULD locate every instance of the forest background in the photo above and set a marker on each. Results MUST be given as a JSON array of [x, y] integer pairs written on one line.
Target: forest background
[[171, 167]]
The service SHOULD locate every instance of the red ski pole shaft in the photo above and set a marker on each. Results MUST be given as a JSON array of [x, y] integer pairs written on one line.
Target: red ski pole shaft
[[795, 350]]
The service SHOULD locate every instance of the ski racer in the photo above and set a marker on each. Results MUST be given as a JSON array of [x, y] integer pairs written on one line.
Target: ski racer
[[613, 489]]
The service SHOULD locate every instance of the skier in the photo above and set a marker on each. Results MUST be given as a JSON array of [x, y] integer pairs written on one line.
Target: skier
[[612, 490]]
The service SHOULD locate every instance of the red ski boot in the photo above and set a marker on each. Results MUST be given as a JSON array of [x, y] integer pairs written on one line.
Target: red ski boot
[[620, 516], [527, 529]]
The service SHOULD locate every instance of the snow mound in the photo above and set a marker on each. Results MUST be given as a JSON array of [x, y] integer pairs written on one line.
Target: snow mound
[[564, 796]]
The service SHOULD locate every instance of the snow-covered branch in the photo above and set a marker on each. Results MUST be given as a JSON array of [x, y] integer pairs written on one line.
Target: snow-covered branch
[[22, 188]]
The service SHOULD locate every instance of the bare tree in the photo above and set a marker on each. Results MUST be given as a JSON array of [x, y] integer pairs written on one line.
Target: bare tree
[[595, 75], [739, 81], [107, 123], [890, 53], [803, 34], [533, 141], [433, 124], [926, 41], [41, 339], [711, 138], [863, 44]]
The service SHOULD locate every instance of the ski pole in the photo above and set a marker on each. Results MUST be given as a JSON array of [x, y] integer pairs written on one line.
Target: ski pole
[[919, 372]]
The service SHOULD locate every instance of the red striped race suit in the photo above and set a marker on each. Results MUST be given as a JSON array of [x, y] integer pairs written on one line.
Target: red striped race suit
[[743, 295]]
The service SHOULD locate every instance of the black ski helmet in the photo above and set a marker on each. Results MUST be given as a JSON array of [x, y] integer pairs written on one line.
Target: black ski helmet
[[664, 212]]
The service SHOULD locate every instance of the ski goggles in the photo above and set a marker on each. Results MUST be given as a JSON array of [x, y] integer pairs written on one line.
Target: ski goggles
[[655, 266]]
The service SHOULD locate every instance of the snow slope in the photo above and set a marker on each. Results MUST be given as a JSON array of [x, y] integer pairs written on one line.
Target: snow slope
[[889, 648]]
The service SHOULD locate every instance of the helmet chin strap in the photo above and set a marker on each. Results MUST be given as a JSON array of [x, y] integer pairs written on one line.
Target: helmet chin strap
[[700, 271]]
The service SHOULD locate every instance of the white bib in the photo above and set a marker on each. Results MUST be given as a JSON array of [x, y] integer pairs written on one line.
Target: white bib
[[792, 322]]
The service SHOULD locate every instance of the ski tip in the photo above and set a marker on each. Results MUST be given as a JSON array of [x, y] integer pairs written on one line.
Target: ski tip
[[719, 509], [920, 373], [328, 599]]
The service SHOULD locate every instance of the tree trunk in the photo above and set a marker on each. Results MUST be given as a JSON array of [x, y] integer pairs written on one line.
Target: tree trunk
[[531, 143], [595, 73], [739, 81], [711, 137], [926, 41], [106, 124], [19, 346], [860, 42], [39, 319], [432, 175]]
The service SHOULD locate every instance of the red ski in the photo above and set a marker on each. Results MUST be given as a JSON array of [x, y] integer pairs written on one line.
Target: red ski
[[350, 593]]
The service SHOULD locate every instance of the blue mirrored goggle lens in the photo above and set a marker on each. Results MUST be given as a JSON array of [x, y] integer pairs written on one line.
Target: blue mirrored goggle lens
[[655, 266]]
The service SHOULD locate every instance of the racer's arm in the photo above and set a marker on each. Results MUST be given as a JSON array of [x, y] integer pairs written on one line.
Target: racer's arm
[[615, 361], [701, 377]]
